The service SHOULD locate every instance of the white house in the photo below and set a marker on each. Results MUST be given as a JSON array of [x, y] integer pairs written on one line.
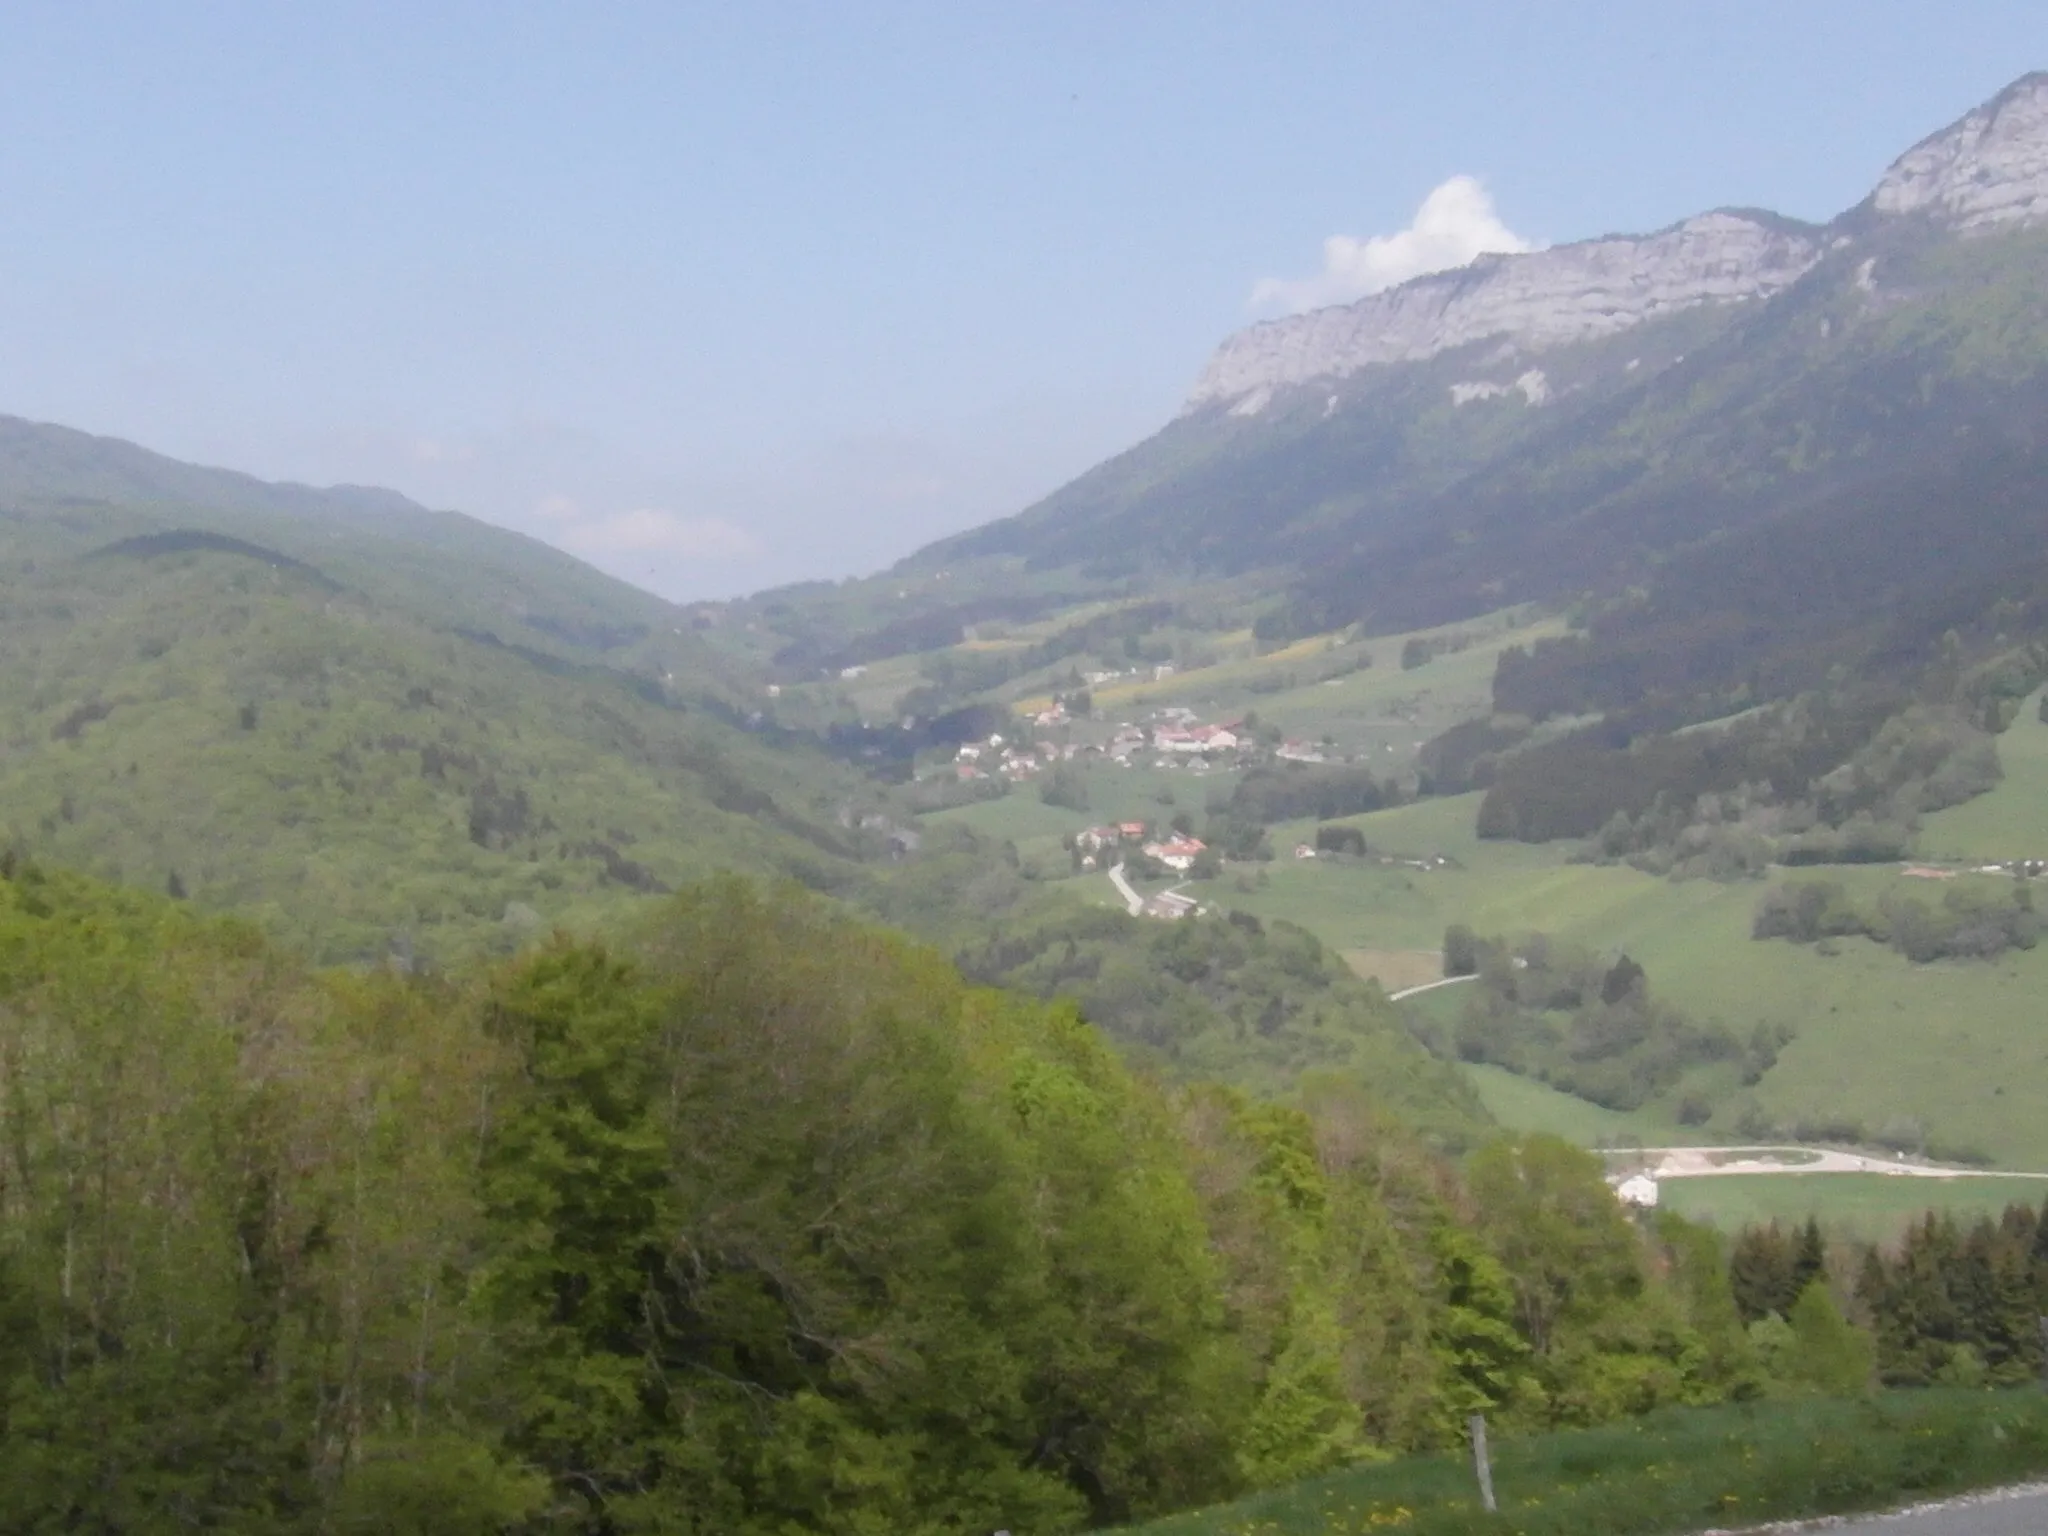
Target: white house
[[1178, 852], [1638, 1190]]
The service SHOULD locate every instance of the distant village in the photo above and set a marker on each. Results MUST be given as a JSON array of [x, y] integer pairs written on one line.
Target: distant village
[[1173, 736], [1170, 737]]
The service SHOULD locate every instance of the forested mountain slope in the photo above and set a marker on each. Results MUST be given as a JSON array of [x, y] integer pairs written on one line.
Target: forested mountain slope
[[64, 492], [393, 735], [1706, 410], [1755, 462], [380, 729]]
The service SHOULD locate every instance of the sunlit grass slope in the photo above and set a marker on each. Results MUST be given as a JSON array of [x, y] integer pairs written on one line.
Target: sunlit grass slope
[[1872, 1206], [2011, 822], [1678, 1470]]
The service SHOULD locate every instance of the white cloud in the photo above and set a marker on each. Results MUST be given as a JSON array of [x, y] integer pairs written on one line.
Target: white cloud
[[653, 531], [441, 450], [1455, 223], [558, 508]]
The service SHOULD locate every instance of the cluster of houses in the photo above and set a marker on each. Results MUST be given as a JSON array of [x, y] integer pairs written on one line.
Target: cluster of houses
[[1158, 673], [1178, 734], [1181, 739], [1177, 852], [1174, 736], [1009, 760], [2025, 869]]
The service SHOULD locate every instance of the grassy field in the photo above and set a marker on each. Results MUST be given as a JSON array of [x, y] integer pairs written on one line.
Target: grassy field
[[1872, 1206], [1114, 794], [2012, 821], [1522, 1104], [1676, 1470], [1383, 709], [1395, 969], [1954, 1049]]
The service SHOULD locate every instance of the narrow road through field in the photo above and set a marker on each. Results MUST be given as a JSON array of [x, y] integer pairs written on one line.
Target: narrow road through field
[[1428, 986], [1133, 902]]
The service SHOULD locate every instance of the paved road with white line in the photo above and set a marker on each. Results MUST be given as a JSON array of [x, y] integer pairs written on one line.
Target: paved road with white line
[[2010, 1512]]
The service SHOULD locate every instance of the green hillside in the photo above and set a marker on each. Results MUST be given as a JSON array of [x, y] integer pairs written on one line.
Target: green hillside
[[390, 735], [377, 729], [1950, 1049]]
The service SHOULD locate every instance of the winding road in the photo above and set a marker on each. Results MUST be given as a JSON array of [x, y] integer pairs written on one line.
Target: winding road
[[1712, 1162]]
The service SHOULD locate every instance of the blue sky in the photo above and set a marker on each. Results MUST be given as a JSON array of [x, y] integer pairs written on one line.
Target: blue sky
[[724, 296]]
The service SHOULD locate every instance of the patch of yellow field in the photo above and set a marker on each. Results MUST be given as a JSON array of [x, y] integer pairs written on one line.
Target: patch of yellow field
[[1394, 969]]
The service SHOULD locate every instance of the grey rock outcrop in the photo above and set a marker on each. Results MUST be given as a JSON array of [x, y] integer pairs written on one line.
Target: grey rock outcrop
[[1568, 293], [1987, 171]]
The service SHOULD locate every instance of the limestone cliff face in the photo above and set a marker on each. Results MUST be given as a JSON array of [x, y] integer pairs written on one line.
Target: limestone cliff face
[[1988, 171], [1567, 293]]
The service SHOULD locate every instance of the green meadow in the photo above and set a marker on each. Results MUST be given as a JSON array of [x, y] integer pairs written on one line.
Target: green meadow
[[1381, 709], [2011, 822], [1676, 1470], [1522, 1104], [1869, 1206], [1953, 1051], [1951, 1054]]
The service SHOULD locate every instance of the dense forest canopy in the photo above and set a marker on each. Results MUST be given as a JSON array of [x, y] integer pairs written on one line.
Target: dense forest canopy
[[753, 1219]]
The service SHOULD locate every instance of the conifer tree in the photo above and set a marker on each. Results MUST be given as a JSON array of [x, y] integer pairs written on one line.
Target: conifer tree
[[1809, 1258], [1760, 1273]]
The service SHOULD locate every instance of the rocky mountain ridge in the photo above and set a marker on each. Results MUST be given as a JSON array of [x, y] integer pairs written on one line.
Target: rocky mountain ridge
[[1987, 171]]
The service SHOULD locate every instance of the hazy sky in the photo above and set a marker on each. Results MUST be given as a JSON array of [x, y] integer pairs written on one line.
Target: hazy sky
[[723, 296]]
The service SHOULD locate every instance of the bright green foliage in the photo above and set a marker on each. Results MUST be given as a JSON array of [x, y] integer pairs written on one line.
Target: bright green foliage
[[1832, 1357], [1303, 1422], [1605, 1342], [1695, 1261], [435, 1485], [753, 1222], [1475, 1337], [760, 1198], [1248, 1003], [1813, 1349]]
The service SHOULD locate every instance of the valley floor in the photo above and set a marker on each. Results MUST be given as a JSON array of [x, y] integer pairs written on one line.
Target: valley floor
[[1949, 1055]]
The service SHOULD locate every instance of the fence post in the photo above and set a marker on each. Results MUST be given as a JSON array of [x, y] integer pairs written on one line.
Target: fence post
[[1484, 1466]]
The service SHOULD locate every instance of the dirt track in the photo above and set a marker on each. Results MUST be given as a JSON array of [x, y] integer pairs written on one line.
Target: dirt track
[[1712, 1162]]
